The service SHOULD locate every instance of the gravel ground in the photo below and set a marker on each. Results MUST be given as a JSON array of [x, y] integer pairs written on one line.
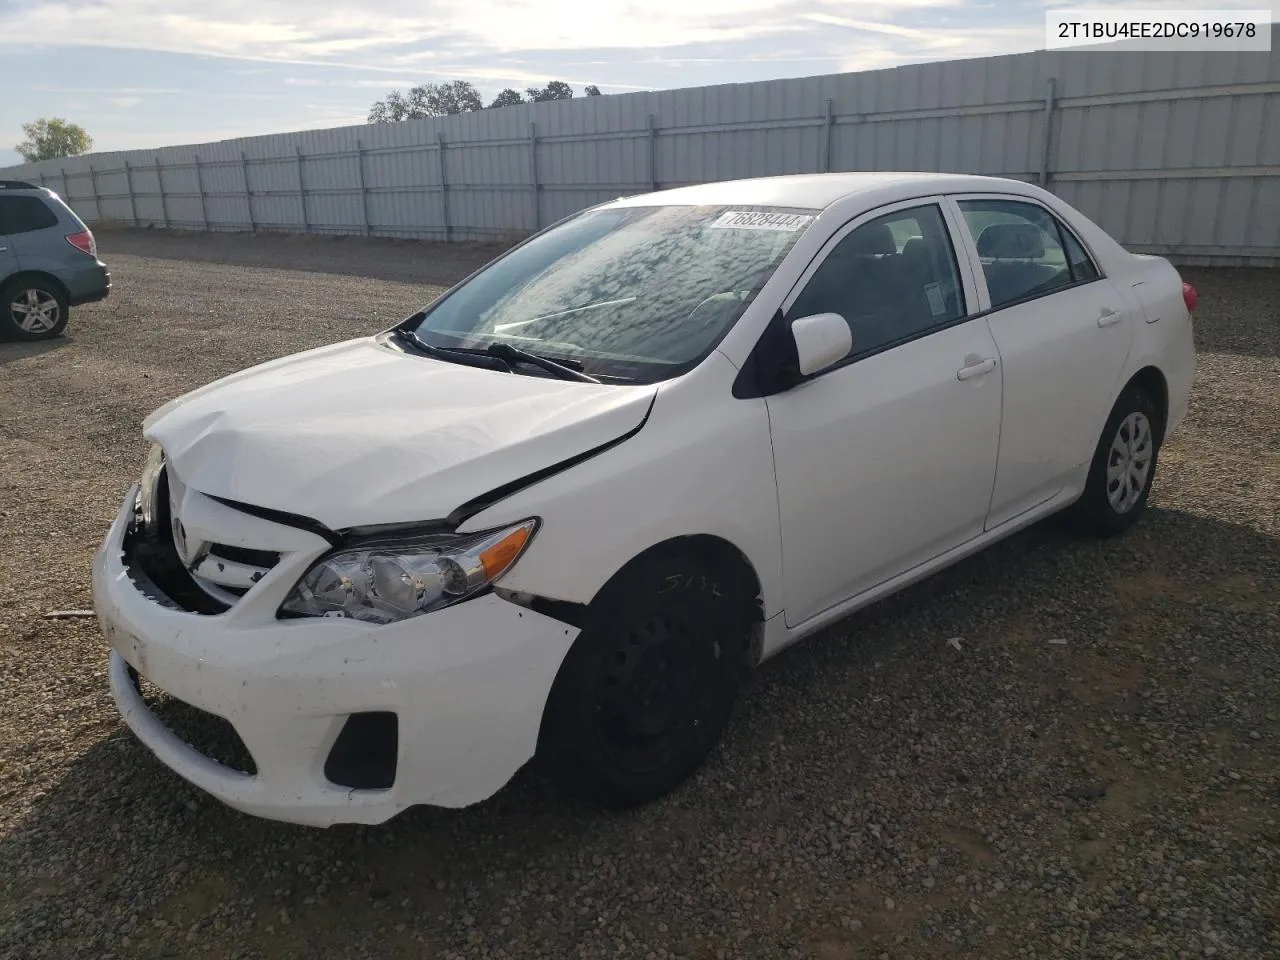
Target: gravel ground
[[1092, 774]]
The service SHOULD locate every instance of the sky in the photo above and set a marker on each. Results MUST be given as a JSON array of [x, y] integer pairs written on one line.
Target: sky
[[146, 73]]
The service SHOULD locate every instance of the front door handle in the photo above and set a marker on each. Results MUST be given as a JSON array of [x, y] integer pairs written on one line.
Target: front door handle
[[1107, 317], [975, 367], [3, 247]]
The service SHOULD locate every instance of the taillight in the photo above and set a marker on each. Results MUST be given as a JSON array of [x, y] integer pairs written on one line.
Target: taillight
[[84, 241], [1189, 296]]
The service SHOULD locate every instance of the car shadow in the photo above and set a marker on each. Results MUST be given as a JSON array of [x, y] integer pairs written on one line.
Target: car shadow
[[808, 716], [13, 350]]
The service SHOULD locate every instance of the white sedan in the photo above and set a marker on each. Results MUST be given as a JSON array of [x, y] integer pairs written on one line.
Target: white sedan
[[561, 510]]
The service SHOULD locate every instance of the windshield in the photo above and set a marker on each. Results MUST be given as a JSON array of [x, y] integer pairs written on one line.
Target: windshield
[[629, 293]]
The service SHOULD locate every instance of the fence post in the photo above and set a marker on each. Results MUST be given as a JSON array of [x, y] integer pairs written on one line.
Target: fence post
[[1047, 144], [533, 175], [93, 180], [204, 213], [66, 186], [42, 178], [653, 152], [164, 201], [364, 189], [444, 187], [829, 119], [133, 203], [248, 195], [302, 191]]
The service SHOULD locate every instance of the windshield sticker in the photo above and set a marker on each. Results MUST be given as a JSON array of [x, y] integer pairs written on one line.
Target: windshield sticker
[[748, 220], [933, 293]]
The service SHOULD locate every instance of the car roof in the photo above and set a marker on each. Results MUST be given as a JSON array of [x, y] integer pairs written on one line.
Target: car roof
[[817, 191]]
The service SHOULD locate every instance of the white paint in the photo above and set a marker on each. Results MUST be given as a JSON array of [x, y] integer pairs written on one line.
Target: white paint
[[358, 433], [847, 487], [821, 340]]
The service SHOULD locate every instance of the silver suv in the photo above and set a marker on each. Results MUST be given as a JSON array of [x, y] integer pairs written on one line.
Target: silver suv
[[48, 262]]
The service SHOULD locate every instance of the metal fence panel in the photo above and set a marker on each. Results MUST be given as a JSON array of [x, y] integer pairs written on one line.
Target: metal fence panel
[[1174, 153]]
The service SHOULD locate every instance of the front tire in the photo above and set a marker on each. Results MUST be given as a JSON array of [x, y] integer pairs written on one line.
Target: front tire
[[1124, 466], [33, 310], [647, 689]]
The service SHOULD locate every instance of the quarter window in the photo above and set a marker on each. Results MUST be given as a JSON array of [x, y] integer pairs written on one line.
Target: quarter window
[[891, 279], [1082, 267], [24, 214], [1025, 251]]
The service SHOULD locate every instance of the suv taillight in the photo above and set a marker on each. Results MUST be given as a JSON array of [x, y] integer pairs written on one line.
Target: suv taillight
[[1189, 296], [84, 241]]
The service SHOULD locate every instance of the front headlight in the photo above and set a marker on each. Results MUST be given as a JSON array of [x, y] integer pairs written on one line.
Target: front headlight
[[388, 580], [149, 484]]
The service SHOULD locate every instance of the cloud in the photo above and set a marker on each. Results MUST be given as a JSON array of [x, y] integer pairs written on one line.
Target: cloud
[[868, 26], [244, 67], [405, 32]]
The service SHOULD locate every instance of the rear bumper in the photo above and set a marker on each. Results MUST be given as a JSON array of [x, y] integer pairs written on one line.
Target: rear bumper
[[87, 284], [466, 684], [1180, 374]]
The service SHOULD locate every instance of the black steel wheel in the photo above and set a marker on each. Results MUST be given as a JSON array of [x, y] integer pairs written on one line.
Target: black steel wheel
[[647, 689]]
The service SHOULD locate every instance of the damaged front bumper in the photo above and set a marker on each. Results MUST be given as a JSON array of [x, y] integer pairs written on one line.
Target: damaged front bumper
[[451, 700]]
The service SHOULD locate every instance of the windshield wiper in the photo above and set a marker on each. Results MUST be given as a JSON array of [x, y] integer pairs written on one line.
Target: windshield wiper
[[474, 358], [513, 355]]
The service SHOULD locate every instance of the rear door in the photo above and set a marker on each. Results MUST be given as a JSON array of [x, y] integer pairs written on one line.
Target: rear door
[[8, 249], [1063, 331], [33, 229]]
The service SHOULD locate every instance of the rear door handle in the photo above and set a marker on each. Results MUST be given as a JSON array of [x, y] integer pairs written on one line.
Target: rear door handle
[[1107, 317], [975, 368], [3, 247]]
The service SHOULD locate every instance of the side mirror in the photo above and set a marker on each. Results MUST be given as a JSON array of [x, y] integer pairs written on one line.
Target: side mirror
[[821, 340]]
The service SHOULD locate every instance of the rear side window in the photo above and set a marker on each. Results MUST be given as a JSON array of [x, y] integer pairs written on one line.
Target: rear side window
[[1025, 251], [24, 214], [892, 279]]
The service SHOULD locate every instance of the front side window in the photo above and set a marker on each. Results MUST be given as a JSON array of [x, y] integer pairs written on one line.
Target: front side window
[[24, 214], [891, 279], [627, 293], [1024, 250]]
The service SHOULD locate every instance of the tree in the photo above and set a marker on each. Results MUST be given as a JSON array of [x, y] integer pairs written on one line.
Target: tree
[[555, 90], [427, 100], [591, 90], [49, 139], [507, 98]]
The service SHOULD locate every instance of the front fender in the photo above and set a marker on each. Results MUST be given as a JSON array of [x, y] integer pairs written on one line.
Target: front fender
[[702, 464]]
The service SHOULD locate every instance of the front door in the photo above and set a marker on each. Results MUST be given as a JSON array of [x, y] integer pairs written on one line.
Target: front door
[[886, 460]]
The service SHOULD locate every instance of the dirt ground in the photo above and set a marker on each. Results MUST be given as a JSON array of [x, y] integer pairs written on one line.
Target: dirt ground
[[1094, 773]]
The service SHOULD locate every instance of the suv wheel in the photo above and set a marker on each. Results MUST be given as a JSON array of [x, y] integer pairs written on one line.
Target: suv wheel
[[33, 310]]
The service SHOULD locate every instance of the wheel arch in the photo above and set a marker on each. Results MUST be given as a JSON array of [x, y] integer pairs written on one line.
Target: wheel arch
[[1151, 380], [26, 276], [705, 548]]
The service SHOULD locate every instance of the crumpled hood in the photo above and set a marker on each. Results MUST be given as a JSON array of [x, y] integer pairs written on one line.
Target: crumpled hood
[[358, 433]]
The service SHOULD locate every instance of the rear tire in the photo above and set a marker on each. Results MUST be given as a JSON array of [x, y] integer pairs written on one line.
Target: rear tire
[[1123, 468], [33, 310], [647, 689]]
